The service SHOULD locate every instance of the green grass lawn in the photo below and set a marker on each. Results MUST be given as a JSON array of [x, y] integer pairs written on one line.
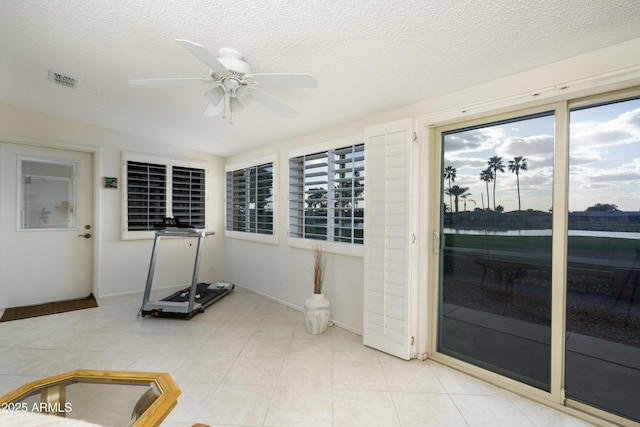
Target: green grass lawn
[[597, 248]]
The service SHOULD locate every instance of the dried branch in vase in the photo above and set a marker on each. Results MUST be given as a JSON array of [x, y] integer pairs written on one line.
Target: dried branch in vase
[[319, 266]]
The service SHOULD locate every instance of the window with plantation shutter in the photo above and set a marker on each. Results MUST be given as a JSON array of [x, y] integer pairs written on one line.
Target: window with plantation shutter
[[146, 195], [188, 195], [159, 187], [348, 194], [250, 197], [326, 193]]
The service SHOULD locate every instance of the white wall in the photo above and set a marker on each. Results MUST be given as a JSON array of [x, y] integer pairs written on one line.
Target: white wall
[[285, 274], [122, 265], [280, 271], [265, 267]]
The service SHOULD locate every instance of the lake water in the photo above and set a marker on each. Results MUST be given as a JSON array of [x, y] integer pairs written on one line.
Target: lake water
[[588, 233]]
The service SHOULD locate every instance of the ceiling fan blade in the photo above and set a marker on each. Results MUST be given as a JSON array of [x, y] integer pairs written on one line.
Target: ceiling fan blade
[[179, 80], [274, 105], [285, 80], [203, 55]]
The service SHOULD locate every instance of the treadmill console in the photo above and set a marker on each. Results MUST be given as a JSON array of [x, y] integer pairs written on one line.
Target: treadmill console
[[172, 223]]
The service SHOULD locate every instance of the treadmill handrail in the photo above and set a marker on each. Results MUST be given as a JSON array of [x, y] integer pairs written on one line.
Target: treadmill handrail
[[184, 232], [175, 232]]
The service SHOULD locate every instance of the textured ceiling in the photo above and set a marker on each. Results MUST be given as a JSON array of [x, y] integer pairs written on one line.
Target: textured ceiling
[[369, 56]]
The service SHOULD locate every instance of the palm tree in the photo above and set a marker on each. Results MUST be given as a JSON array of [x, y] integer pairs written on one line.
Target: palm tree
[[496, 165], [450, 175], [465, 197], [487, 176], [516, 165], [457, 191]]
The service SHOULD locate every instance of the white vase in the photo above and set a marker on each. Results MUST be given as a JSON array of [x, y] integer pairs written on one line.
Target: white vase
[[316, 313]]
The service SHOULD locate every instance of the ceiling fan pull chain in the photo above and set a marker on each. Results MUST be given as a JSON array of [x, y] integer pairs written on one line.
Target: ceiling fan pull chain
[[224, 107]]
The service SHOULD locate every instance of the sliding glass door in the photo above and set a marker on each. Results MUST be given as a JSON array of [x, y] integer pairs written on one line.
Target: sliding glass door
[[539, 267], [603, 258], [495, 309]]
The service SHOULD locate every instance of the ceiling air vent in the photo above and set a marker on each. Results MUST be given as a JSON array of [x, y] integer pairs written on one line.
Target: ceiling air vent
[[63, 80]]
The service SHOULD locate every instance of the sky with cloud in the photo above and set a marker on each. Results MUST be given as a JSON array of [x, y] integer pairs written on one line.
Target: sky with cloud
[[604, 162]]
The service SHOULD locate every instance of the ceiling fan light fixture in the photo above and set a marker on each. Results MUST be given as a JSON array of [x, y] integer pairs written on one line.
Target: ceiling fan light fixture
[[245, 98], [234, 85], [235, 105], [215, 95], [212, 110]]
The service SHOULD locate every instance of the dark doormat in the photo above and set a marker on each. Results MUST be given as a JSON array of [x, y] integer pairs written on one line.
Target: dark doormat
[[25, 312]]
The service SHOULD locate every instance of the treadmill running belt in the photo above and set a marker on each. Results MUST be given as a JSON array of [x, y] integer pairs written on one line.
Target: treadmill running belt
[[203, 294]]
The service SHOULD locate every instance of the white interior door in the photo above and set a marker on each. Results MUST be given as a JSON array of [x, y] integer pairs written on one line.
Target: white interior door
[[46, 224], [388, 231]]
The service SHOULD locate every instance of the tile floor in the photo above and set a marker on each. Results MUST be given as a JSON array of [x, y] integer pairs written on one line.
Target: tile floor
[[249, 361]]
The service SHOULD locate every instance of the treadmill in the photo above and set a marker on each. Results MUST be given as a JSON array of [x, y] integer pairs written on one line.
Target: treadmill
[[188, 301]]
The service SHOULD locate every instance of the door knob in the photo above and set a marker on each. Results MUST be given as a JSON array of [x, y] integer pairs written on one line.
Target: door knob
[[85, 235]]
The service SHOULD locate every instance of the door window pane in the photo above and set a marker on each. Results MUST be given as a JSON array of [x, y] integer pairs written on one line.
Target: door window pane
[[603, 265], [47, 194], [495, 274]]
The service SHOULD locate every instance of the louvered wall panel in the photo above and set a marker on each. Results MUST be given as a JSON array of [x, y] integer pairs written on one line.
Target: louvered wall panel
[[387, 253]]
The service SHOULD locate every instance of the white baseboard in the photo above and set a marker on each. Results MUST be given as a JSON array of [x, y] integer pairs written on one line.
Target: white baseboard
[[297, 308]]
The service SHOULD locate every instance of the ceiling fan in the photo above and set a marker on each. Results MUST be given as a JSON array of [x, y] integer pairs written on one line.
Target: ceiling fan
[[233, 84]]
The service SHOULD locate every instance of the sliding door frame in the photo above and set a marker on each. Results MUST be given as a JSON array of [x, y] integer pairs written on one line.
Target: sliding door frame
[[559, 250], [559, 110], [429, 131]]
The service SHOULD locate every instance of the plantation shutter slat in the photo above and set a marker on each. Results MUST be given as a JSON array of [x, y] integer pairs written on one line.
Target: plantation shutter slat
[[250, 199], [388, 248], [326, 194], [188, 195], [157, 187], [146, 195]]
